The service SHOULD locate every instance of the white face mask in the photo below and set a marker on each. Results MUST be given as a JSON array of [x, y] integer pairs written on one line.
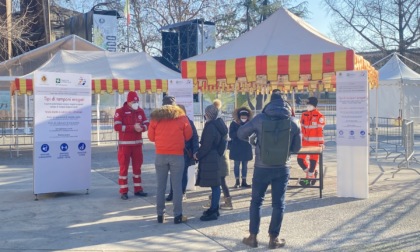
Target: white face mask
[[243, 120], [310, 107], [135, 106]]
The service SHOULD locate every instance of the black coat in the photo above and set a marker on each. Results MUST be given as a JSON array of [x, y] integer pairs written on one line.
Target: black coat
[[208, 158], [239, 150]]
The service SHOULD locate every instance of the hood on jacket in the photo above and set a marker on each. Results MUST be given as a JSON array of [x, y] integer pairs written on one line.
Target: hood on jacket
[[167, 112], [236, 116], [221, 126], [278, 109]]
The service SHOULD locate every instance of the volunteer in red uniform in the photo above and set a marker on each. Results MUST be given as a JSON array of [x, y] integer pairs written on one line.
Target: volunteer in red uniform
[[312, 125], [130, 121]]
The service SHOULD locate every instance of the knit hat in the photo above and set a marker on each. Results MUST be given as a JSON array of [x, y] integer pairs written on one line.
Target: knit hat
[[276, 95], [132, 96], [313, 101], [211, 112], [168, 100]]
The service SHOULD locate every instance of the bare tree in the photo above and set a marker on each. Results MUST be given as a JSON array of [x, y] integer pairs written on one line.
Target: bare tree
[[382, 25], [23, 19]]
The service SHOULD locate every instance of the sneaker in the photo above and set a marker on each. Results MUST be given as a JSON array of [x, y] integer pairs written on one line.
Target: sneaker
[[141, 194], [304, 182], [161, 218], [275, 242], [124, 196], [313, 181], [245, 185], [180, 219], [170, 197], [184, 196]]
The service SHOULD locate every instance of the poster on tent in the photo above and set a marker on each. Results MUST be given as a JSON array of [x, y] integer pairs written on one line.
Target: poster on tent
[[182, 90], [62, 132], [352, 134]]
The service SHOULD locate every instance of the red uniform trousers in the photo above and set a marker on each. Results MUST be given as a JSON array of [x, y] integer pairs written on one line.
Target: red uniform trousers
[[125, 153], [313, 158]]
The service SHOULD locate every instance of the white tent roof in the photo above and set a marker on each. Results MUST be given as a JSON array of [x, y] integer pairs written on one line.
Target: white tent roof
[[282, 33], [32, 60], [395, 71], [108, 65]]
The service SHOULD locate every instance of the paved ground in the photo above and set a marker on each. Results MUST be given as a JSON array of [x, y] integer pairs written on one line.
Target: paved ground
[[388, 221]]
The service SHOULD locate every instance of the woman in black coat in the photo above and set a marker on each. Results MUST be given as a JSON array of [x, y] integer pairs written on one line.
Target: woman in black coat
[[209, 162], [240, 151]]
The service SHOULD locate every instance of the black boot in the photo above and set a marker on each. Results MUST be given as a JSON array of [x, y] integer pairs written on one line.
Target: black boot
[[169, 197], [244, 184], [237, 184], [210, 215]]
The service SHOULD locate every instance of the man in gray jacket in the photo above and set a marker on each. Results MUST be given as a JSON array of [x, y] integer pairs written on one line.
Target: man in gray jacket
[[264, 175]]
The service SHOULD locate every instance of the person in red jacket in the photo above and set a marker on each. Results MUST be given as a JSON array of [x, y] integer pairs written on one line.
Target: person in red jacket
[[312, 124], [130, 121], [169, 130]]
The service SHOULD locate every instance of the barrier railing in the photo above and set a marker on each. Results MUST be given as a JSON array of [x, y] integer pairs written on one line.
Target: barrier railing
[[408, 143], [387, 134]]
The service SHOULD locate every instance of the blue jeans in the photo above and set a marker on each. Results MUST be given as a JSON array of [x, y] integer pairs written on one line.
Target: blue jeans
[[263, 177], [236, 164], [215, 197]]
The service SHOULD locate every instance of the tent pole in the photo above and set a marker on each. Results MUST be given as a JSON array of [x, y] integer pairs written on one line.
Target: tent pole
[[376, 125], [98, 117], [26, 114]]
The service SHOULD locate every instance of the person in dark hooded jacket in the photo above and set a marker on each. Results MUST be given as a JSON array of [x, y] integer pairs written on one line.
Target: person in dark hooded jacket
[[240, 151], [264, 175], [209, 160]]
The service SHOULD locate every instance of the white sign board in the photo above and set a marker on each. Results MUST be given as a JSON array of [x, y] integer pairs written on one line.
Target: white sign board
[[182, 90], [62, 132], [352, 134]]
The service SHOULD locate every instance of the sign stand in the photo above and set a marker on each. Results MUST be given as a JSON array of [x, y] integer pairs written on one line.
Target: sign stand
[[62, 132]]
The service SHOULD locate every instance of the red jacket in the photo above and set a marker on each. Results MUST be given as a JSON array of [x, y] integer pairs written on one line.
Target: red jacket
[[124, 120], [312, 125], [169, 129]]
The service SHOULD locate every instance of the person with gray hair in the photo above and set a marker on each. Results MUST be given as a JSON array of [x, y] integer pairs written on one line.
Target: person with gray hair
[[209, 160]]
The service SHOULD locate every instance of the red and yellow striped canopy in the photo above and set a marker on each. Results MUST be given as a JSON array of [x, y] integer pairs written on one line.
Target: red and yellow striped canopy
[[265, 73], [25, 86]]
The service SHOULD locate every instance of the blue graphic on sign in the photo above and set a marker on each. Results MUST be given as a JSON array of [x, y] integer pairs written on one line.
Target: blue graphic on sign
[[82, 146], [45, 148], [64, 147], [351, 132], [362, 133], [341, 132]]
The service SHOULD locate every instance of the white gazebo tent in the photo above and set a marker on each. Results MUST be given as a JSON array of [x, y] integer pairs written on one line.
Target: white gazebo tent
[[398, 94]]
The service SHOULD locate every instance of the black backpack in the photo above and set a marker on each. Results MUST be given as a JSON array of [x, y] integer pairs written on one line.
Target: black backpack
[[275, 141]]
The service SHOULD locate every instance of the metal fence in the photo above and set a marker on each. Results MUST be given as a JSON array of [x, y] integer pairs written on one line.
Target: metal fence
[[408, 144]]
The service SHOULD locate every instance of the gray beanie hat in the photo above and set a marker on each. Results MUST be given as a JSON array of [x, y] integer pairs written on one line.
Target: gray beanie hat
[[211, 112], [168, 100]]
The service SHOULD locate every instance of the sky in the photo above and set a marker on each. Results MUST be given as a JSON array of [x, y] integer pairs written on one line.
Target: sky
[[318, 17]]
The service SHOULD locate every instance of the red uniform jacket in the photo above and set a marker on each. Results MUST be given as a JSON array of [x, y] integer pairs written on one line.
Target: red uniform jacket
[[312, 124], [124, 120]]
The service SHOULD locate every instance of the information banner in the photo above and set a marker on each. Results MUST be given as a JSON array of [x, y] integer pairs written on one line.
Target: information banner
[[352, 134], [62, 132], [104, 32], [352, 108], [182, 90]]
